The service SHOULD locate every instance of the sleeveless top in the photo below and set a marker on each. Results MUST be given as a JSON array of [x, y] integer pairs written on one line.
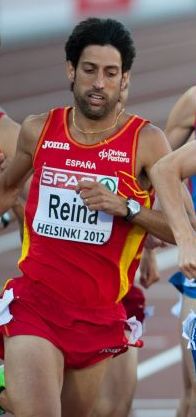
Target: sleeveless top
[[89, 258]]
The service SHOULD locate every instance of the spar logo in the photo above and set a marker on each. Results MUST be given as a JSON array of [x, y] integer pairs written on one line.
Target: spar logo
[[64, 179], [109, 183]]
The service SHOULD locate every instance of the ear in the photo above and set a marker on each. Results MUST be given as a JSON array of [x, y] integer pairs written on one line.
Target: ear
[[70, 71], [125, 80]]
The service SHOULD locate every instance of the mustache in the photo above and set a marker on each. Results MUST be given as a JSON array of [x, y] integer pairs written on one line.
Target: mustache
[[96, 91]]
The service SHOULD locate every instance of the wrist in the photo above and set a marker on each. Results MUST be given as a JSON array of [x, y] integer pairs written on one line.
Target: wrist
[[5, 219], [133, 209]]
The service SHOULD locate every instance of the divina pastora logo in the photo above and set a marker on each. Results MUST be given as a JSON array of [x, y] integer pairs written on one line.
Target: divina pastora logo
[[109, 183]]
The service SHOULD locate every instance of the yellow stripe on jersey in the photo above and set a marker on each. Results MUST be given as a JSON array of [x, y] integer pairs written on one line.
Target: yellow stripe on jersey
[[129, 253], [25, 243]]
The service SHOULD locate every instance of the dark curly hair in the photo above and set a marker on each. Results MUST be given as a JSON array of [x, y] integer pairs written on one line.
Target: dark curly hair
[[95, 31]]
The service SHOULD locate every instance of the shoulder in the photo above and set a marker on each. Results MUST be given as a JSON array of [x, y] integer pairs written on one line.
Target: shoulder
[[34, 122], [191, 92], [152, 144], [151, 134], [184, 111], [189, 99], [31, 130]]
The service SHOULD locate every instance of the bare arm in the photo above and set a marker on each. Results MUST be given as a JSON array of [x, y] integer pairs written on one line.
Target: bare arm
[[152, 146], [166, 176], [9, 131], [97, 197], [20, 167], [180, 123]]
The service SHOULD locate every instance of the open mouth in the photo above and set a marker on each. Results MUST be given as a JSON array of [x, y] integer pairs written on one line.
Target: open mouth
[[96, 99]]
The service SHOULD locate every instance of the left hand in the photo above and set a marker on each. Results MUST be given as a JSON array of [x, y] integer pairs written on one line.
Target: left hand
[[187, 255], [97, 197], [152, 242]]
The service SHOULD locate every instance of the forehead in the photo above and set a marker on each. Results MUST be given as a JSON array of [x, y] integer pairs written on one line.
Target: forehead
[[98, 55]]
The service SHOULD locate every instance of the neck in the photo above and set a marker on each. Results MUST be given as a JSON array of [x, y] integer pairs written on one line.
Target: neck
[[90, 127]]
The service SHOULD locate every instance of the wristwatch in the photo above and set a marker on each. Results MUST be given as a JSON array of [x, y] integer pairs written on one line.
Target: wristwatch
[[133, 208]]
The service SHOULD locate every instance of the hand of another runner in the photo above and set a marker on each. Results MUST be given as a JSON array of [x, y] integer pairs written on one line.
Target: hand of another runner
[[97, 197], [153, 242], [187, 256]]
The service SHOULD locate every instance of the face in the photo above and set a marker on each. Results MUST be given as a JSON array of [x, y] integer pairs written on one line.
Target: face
[[98, 80]]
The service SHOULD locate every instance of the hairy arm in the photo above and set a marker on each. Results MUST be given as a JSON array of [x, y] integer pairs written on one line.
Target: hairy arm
[[167, 175], [152, 146]]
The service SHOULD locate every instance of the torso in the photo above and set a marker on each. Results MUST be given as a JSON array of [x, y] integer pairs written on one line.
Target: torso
[[82, 263]]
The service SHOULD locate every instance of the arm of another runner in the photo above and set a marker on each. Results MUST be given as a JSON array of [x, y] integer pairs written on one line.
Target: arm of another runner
[[167, 175], [14, 176], [9, 131], [181, 120], [152, 147]]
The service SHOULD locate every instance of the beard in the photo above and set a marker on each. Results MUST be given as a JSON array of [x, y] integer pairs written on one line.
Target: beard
[[95, 112]]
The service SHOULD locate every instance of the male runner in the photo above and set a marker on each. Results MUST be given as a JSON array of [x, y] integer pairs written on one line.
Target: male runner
[[114, 397], [180, 126], [63, 317]]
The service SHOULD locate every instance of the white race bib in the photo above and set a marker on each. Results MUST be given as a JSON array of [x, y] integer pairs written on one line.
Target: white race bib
[[61, 213]]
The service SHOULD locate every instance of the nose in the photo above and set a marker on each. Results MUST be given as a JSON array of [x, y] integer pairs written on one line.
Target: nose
[[99, 80]]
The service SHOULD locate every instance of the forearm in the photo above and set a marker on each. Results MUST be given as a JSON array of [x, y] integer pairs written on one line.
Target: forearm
[[171, 199], [7, 199], [154, 223]]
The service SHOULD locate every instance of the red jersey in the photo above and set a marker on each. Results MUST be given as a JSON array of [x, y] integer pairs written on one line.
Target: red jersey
[[89, 258]]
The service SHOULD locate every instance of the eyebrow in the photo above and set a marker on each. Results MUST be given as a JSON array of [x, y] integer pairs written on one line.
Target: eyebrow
[[95, 65]]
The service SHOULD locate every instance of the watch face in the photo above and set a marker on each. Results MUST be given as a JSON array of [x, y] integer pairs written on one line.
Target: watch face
[[133, 206]]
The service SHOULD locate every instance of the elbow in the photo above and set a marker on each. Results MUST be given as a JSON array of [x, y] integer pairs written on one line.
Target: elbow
[[158, 170]]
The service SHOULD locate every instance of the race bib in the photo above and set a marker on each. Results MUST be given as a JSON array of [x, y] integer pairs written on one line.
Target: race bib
[[61, 213]]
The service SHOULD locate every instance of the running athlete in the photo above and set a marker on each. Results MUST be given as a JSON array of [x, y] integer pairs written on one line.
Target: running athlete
[[125, 365], [183, 165], [167, 175], [180, 128], [84, 226], [114, 396]]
